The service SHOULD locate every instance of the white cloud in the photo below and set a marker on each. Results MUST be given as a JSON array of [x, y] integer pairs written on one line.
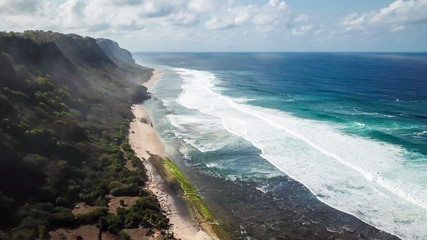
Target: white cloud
[[152, 19], [395, 16], [274, 15], [125, 2], [219, 23], [280, 5], [184, 18], [27, 14], [302, 30], [97, 15], [203, 6], [396, 29], [72, 13], [20, 6], [229, 18]]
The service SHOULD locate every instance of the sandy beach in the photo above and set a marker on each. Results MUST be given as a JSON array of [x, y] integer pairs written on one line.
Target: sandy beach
[[145, 141], [156, 76]]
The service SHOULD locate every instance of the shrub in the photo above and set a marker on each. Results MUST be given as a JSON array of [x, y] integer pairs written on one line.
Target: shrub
[[45, 83], [129, 190], [113, 223], [60, 122], [62, 217], [126, 147], [93, 216]]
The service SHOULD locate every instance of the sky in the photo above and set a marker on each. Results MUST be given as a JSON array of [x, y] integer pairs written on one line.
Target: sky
[[231, 25]]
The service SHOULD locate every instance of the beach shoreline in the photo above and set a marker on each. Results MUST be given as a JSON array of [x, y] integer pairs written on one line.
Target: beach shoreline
[[146, 143], [156, 75]]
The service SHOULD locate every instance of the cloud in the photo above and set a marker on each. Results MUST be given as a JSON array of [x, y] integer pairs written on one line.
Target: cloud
[[397, 29], [27, 14], [219, 23], [126, 2], [157, 8], [72, 13], [280, 5], [129, 14], [301, 18], [204, 6], [319, 31], [229, 18], [19, 6], [158, 19], [302, 30], [274, 15], [394, 17], [184, 18]]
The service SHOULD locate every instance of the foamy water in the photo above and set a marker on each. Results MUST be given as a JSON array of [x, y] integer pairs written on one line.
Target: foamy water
[[360, 176]]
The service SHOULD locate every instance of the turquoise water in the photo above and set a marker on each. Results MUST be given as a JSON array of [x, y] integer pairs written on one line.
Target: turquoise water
[[351, 127]]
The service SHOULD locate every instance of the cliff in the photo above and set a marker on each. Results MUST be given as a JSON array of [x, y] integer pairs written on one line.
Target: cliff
[[124, 59], [119, 55], [64, 115]]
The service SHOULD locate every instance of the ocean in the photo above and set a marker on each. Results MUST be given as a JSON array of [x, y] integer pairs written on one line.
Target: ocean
[[278, 142]]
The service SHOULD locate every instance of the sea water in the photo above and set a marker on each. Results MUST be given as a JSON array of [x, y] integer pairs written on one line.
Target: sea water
[[351, 127]]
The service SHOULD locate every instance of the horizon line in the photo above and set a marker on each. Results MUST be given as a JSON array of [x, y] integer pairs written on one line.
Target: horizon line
[[417, 52]]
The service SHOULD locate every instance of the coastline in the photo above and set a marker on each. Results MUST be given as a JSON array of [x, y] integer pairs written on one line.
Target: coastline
[[153, 79], [146, 143]]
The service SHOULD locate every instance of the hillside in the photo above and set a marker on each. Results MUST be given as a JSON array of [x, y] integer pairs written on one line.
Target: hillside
[[64, 116]]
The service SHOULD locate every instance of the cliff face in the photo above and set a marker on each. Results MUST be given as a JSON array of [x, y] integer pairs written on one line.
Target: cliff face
[[77, 62], [124, 59], [25, 57], [118, 55], [64, 114]]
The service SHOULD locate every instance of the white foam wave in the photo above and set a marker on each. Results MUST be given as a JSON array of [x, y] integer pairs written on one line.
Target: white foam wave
[[350, 173], [359, 124], [190, 127], [357, 112], [243, 100], [183, 150], [421, 133]]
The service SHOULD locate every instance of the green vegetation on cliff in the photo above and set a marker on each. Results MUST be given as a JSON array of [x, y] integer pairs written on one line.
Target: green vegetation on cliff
[[64, 117]]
